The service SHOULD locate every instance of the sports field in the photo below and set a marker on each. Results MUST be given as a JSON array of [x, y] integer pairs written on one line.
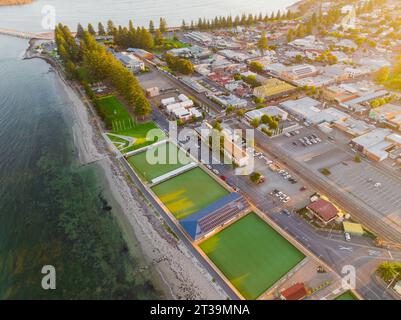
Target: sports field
[[252, 255], [189, 192], [138, 132], [171, 158], [348, 295], [114, 113]]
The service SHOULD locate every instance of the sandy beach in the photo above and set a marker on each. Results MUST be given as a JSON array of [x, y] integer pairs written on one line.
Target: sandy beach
[[182, 275]]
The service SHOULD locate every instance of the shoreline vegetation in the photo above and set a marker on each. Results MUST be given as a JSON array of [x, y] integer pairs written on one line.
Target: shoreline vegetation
[[15, 2], [176, 270], [166, 258]]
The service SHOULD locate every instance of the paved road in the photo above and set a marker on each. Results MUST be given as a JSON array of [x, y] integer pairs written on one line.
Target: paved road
[[325, 186], [332, 249], [214, 109], [328, 246], [178, 231]]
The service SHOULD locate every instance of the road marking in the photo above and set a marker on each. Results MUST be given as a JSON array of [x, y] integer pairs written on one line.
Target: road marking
[[373, 253], [349, 249], [389, 253]]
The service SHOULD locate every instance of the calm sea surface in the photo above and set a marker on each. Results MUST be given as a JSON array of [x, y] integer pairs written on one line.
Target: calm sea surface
[[51, 210], [140, 11]]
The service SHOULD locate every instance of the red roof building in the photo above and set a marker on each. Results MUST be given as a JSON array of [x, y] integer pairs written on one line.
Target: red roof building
[[295, 292], [324, 210]]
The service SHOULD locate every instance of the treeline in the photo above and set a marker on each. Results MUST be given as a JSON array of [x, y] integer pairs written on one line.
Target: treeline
[[128, 37], [178, 64], [222, 22], [102, 66], [320, 22]]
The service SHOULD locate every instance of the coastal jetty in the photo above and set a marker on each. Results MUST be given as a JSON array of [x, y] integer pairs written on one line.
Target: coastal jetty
[[27, 35]]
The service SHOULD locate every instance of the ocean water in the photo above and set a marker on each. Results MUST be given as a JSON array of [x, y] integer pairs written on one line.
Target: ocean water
[[28, 17], [52, 210]]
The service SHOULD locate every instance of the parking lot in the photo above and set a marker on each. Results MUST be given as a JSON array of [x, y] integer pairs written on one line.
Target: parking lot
[[378, 190], [152, 79]]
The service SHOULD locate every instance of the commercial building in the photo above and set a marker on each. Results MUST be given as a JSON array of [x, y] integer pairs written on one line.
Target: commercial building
[[323, 210], [300, 71], [273, 88], [295, 292], [201, 37], [353, 127], [364, 99], [353, 228], [142, 54], [377, 144], [230, 149], [272, 111], [388, 113], [130, 61], [307, 109], [230, 100]]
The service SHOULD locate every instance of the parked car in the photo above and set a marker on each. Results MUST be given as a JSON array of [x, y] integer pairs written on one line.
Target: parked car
[[286, 211]]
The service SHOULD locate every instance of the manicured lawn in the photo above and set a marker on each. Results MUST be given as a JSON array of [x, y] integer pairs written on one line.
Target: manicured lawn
[[347, 295], [139, 131], [114, 113], [168, 44], [252, 255], [167, 152], [189, 192]]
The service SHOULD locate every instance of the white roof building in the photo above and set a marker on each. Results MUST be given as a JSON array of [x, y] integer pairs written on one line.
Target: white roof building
[[167, 101], [377, 144], [272, 111], [308, 110]]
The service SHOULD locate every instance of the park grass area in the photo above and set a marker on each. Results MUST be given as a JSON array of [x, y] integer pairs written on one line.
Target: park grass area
[[168, 44], [114, 113], [137, 134], [189, 192], [252, 255], [347, 295], [171, 158]]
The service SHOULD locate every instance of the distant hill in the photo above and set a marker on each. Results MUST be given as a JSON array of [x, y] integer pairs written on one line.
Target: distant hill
[[14, 2]]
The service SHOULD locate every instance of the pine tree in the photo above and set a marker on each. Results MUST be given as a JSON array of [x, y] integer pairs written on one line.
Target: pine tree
[[262, 43], [158, 39], [110, 27], [163, 25], [151, 26], [80, 31], [101, 30], [183, 25], [91, 30]]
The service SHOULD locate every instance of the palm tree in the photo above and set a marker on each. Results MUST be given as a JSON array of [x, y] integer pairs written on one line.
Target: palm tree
[[387, 271]]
